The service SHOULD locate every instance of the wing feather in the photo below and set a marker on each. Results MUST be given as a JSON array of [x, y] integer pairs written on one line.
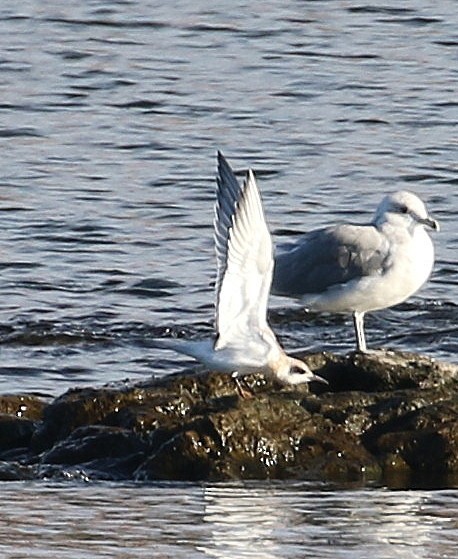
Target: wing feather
[[245, 258], [227, 194], [329, 257]]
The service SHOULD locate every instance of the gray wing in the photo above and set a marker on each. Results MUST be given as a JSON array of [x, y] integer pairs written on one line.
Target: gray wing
[[327, 257], [245, 264], [228, 192]]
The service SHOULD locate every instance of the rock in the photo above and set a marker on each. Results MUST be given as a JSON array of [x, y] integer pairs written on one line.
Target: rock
[[19, 416], [15, 471], [384, 417], [381, 370], [143, 407], [426, 438], [27, 406], [15, 431], [100, 449], [271, 436], [93, 442]]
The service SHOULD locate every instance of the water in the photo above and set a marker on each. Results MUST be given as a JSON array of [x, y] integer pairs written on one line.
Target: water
[[111, 114], [226, 521], [110, 117]]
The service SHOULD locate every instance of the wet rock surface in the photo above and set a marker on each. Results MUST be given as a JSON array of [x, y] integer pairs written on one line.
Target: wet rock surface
[[389, 418]]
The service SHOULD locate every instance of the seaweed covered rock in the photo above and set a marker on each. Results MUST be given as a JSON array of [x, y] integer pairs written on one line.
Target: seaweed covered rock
[[19, 417], [384, 416], [27, 406]]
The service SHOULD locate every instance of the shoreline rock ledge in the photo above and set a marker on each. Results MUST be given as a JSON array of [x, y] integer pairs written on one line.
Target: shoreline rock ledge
[[386, 418]]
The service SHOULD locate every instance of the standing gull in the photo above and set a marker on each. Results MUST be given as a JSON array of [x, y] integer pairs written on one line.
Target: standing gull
[[244, 341], [359, 268]]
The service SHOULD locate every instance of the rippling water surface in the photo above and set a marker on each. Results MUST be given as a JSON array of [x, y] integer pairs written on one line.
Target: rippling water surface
[[259, 521], [110, 117]]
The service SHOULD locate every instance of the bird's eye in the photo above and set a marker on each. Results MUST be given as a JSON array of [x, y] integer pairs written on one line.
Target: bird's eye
[[403, 209]]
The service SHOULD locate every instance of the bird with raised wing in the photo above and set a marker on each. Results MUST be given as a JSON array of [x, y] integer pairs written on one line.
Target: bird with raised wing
[[244, 341]]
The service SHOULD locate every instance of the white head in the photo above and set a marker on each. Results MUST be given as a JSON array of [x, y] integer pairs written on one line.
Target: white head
[[405, 208], [289, 370]]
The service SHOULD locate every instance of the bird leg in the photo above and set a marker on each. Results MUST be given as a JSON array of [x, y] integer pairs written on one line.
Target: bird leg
[[243, 390], [358, 321]]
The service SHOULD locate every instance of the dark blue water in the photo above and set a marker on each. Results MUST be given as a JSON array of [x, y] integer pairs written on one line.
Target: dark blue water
[[110, 117]]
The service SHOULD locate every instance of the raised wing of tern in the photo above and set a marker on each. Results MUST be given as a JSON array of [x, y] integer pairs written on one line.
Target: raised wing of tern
[[244, 258]]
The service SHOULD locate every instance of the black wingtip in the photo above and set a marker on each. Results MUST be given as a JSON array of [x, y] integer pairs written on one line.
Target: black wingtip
[[221, 159]]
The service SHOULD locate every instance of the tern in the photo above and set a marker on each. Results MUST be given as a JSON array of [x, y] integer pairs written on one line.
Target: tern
[[244, 342]]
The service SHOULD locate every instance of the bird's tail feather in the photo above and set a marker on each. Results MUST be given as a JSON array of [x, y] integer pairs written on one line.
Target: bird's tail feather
[[193, 348]]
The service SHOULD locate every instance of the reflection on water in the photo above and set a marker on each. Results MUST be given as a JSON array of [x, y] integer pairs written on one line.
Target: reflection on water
[[235, 517], [226, 521], [301, 521]]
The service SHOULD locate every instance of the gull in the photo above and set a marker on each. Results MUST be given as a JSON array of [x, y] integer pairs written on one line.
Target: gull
[[244, 342], [360, 268]]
